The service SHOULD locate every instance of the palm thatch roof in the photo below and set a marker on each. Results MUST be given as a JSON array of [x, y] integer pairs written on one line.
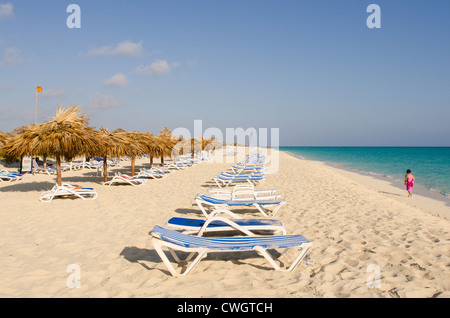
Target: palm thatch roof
[[165, 132], [137, 148], [3, 138], [64, 136], [119, 130], [112, 145], [18, 130]]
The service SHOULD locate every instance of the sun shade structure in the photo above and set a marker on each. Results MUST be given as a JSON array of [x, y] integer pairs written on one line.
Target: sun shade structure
[[64, 136], [113, 145], [136, 149], [3, 140]]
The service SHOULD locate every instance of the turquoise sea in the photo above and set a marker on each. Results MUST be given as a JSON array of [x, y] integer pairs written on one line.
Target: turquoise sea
[[430, 165]]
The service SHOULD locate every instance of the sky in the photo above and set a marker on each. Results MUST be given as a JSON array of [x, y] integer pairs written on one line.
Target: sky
[[312, 69]]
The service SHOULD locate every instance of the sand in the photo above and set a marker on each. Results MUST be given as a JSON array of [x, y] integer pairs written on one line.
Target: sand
[[370, 240]]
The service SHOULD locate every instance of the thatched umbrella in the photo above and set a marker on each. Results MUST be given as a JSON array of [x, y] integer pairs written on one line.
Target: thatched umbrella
[[196, 145], [18, 130], [64, 136], [136, 148], [112, 145], [151, 145], [166, 143], [3, 140]]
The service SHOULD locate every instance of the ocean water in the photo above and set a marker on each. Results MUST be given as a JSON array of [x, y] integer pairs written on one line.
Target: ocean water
[[430, 165]]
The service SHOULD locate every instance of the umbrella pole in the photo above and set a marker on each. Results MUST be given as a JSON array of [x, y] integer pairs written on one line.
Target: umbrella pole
[[105, 169], [132, 165], [58, 170]]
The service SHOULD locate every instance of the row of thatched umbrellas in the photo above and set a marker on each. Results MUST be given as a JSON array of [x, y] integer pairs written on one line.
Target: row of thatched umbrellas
[[68, 135]]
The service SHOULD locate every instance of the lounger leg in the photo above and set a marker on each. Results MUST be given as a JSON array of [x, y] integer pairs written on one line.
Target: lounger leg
[[278, 208], [201, 254], [158, 247], [260, 209], [266, 255], [201, 207], [162, 255], [304, 249], [174, 255]]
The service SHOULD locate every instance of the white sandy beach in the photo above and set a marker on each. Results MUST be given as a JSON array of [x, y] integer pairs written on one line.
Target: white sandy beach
[[355, 222]]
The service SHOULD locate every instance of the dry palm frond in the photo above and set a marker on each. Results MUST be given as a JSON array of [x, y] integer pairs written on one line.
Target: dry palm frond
[[64, 136], [3, 138], [136, 148], [112, 145]]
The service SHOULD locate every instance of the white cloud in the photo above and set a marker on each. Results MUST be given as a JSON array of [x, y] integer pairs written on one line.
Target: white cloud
[[127, 48], [11, 56], [158, 68], [6, 10], [117, 80], [100, 101], [52, 93]]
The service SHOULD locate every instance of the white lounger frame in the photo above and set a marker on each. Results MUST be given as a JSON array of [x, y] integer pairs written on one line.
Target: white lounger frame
[[159, 243]]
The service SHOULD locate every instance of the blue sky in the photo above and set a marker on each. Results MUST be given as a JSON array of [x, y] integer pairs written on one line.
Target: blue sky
[[313, 69]]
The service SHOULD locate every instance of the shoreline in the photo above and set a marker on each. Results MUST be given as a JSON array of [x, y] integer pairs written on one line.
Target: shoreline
[[426, 199], [377, 174]]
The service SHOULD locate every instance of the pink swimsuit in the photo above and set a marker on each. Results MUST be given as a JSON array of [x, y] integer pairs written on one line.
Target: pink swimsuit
[[409, 184]]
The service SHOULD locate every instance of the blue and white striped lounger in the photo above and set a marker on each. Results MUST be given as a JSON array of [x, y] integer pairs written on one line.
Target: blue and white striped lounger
[[152, 174], [67, 190], [224, 181], [216, 203], [6, 176], [221, 224], [176, 241], [247, 168], [126, 179], [244, 192]]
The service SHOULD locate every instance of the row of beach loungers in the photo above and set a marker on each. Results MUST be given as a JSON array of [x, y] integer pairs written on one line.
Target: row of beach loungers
[[66, 190], [195, 236]]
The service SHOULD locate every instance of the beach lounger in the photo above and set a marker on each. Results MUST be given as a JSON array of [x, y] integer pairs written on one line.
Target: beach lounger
[[244, 192], [175, 166], [225, 181], [68, 190], [175, 241], [215, 203], [241, 175], [6, 176], [153, 174], [248, 169], [37, 168], [93, 165], [268, 191], [221, 224], [126, 179]]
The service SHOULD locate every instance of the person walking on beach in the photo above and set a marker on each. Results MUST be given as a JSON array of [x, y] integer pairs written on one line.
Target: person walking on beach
[[409, 182]]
